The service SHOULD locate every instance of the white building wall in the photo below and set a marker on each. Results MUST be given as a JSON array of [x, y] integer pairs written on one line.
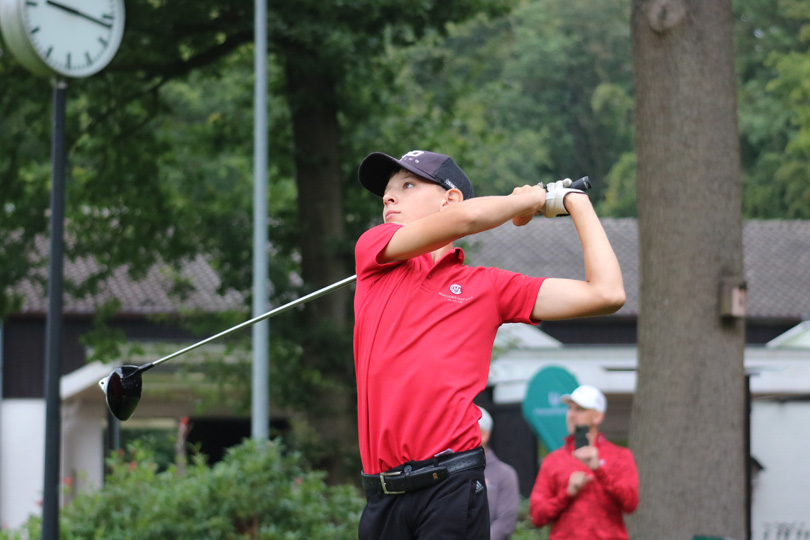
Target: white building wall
[[22, 459], [82, 447], [780, 440]]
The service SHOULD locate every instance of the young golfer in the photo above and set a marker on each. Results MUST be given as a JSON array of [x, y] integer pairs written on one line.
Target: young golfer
[[424, 328]]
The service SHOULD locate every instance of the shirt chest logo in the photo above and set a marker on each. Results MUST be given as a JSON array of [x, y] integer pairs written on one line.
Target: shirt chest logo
[[453, 293]]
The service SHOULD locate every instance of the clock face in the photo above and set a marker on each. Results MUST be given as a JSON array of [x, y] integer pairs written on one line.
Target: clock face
[[75, 38]]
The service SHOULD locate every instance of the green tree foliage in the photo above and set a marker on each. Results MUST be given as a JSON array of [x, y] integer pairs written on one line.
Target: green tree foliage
[[620, 194], [121, 208], [208, 134], [24, 173], [541, 93], [259, 491], [773, 63], [546, 91], [524, 528]]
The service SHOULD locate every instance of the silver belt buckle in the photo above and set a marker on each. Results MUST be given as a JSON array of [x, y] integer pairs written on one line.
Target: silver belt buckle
[[382, 481]]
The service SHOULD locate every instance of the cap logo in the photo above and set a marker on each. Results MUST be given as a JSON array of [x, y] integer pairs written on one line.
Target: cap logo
[[455, 288], [413, 153]]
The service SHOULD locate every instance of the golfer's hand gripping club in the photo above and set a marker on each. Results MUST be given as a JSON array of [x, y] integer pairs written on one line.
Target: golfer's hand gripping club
[[556, 192]]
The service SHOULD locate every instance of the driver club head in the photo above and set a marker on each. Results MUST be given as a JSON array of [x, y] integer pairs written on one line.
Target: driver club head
[[123, 390]]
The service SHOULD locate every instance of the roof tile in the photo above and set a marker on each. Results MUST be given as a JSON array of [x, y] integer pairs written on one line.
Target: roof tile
[[777, 269], [776, 258]]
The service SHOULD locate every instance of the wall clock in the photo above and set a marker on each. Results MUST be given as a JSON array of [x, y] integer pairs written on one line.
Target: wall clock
[[63, 38]]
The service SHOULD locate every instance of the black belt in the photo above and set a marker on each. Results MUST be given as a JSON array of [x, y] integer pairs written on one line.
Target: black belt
[[416, 475]]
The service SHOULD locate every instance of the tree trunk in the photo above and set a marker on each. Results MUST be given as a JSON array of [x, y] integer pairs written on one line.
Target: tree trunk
[[320, 209], [688, 412], [320, 195]]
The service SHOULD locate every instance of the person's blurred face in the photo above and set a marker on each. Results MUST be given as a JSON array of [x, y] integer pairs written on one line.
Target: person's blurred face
[[579, 416]]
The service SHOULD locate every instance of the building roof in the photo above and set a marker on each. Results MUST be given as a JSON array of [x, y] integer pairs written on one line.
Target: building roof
[[777, 269], [776, 259], [156, 293]]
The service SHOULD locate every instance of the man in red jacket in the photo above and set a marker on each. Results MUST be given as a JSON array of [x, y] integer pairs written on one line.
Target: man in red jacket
[[584, 491]]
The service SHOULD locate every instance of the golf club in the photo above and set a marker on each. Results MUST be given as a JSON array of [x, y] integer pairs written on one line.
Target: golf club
[[123, 386], [583, 183]]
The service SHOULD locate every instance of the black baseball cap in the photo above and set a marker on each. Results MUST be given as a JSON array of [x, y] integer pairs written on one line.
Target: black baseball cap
[[376, 169]]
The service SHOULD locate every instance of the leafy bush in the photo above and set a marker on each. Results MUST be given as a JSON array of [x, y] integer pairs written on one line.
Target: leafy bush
[[258, 491], [525, 530]]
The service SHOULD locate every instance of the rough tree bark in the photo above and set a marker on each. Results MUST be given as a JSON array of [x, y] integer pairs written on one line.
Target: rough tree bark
[[688, 411], [320, 209]]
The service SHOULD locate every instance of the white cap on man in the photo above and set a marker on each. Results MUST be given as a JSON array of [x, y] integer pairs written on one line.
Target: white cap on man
[[587, 397], [485, 422]]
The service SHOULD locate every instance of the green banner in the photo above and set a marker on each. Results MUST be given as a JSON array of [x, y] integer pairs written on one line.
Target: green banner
[[542, 407]]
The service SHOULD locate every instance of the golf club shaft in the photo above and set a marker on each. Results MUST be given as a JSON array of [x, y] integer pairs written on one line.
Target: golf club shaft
[[272, 313]]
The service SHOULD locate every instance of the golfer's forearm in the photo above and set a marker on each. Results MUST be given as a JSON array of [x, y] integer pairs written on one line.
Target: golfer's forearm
[[459, 220], [602, 271], [484, 213]]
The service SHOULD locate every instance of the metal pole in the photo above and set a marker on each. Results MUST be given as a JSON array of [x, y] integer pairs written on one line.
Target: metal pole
[[1, 415], [113, 433], [260, 400], [747, 453], [53, 326]]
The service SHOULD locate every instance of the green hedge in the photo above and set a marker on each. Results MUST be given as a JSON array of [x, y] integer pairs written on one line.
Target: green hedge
[[525, 530], [258, 491]]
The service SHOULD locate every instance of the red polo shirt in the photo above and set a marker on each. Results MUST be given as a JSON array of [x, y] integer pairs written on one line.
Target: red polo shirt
[[423, 340]]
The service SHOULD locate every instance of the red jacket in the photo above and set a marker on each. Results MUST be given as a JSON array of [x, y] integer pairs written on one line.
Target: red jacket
[[596, 511]]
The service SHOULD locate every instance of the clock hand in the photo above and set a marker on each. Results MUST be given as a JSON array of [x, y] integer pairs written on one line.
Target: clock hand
[[79, 13]]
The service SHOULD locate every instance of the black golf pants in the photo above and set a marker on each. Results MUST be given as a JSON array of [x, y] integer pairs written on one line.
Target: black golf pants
[[455, 509]]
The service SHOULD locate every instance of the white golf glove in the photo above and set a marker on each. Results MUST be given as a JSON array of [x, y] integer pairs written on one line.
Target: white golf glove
[[555, 195]]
